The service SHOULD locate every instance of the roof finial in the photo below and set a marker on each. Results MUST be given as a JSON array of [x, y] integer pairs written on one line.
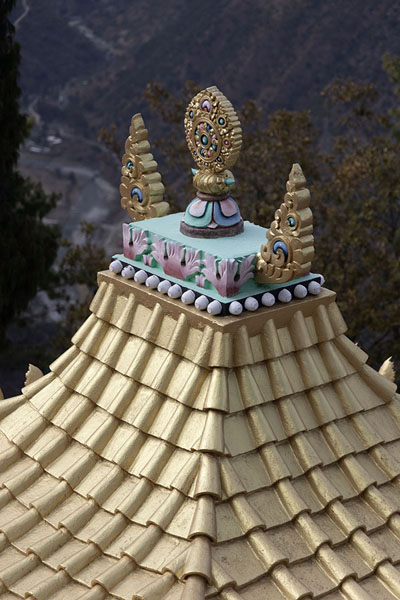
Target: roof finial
[[141, 186], [214, 137], [290, 247]]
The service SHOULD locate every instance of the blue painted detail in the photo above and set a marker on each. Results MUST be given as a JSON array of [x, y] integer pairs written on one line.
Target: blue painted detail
[[202, 151], [138, 193], [191, 114], [221, 219], [208, 128], [194, 171], [229, 181], [279, 245], [219, 159]]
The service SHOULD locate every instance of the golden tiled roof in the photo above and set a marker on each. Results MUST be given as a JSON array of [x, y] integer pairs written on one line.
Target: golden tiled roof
[[172, 455]]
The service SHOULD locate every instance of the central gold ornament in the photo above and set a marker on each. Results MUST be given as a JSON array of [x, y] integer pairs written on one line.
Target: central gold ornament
[[214, 138]]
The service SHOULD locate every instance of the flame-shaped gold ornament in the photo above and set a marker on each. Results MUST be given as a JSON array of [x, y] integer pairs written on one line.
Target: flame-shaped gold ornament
[[290, 247], [141, 187]]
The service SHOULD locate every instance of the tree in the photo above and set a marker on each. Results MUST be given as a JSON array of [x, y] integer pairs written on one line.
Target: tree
[[28, 247]]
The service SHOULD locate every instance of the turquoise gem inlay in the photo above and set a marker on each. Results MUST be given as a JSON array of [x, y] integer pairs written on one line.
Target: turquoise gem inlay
[[221, 121], [129, 164], [204, 140], [291, 221]]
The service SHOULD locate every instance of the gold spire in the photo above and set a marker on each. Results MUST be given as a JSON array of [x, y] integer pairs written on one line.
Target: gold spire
[[141, 186], [290, 247], [214, 138]]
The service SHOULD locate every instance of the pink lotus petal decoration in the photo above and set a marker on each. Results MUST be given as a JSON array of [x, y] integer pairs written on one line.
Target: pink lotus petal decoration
[[175, 260], [135, 241], [224, 276]]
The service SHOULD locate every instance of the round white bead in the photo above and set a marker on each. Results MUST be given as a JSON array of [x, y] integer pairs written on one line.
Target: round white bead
[[128, 272], [141, 276], [268, 299], [235, 308], [300, 291], [116, 266], [251, 304], [188, 297], [284, 296], [175, 291], [314, 288], [152, 281], [164, 286], [201, 302], [214, 308]]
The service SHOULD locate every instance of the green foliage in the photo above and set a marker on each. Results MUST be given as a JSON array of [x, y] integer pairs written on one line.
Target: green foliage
[[77, 283], [28, 247], [355, 187]]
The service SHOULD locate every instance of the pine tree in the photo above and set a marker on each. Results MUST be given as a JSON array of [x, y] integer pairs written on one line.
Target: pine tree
[[28, 247]]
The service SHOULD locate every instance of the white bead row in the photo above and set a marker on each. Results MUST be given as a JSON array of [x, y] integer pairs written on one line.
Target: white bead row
[[213, 307]]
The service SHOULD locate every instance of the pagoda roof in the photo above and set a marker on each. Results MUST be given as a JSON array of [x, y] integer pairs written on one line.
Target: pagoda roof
[[175, 455]]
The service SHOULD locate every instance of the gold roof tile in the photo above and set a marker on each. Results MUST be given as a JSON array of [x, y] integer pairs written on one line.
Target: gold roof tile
[[217, 393], [353, 353], [222, 351], [338, 569], [322, 487], [380, 384], [353, 561], [305, 453], [274, 463], [157, 588], [198, 559], [289, 584], [280, 382], [204, 519], [242, 353], [336, 363], [286, 340], [251, 471], [246, 514], [212, 436], [238, 436], [372, 587], [90, 335], [208, 480], [368, 550], [105, 306], [254, 385], [291, 420], [299, 331], [270, 340], [257, 348], [293, 503], [326, 320], [335, 316], [259, 426], [267, 553]]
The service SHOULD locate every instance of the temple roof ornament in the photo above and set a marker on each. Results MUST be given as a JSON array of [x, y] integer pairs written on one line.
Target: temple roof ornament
[[290, 247], [207, 256], [214, 138], [141, 187]]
